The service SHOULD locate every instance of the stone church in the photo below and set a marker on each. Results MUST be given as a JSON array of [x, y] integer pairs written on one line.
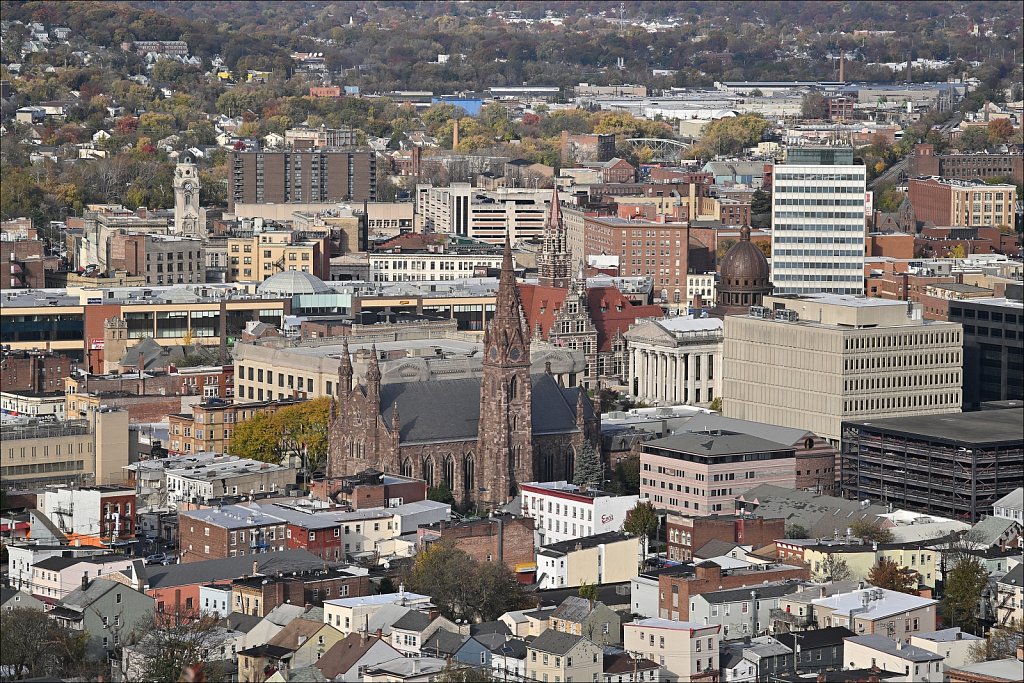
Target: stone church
[[482, 436]]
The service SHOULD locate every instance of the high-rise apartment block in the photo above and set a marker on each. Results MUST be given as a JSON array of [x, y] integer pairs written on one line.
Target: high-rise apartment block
[[811, 362], [307, 176], [818, 222], [487, 215]]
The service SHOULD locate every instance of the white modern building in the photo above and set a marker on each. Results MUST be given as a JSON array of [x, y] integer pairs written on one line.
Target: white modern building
[[675, 360], [446, 264], [350, 614], [818, 212], [487, 215], [43, 407], [562, 511]]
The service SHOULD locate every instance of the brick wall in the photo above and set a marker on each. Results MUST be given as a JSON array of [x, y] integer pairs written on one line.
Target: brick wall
[[34, 373], [481, 539], [711, 579]]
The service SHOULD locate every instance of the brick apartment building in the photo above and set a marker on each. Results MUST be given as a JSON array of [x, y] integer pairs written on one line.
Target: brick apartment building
[[208, 429], [962, 203], [257, 595], [281, 177], [665, 252], [162, 259], [687, 534], [495, 539], [229, 531], [675, 590], [34, 372], [24, 264], [371, 489], [925, 162]]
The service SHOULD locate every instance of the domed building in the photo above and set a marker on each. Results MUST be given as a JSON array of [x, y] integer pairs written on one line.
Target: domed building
[[292, 283], [743, 277]]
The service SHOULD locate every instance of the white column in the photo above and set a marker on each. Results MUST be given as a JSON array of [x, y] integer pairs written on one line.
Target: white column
[[691, 383]]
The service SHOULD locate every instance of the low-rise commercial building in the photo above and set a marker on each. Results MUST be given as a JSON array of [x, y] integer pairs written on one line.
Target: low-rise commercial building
[[200, 483], [564, 511], [229, 531], [944, 201], [91, 515], [161, 259], [701, 473], [91, 451], [687, 533], [878, 611]]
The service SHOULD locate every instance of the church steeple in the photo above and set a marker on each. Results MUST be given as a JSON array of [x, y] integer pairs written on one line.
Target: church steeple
[[505, 434], [553, 261], [344, 371]]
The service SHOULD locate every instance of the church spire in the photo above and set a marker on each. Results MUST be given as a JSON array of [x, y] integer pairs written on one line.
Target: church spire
[[344, 371], [553, 264]]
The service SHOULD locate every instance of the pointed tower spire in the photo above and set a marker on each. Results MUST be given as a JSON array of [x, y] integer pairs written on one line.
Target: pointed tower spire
[[396, 423], [373, 371], [344, 371], [553, 265]]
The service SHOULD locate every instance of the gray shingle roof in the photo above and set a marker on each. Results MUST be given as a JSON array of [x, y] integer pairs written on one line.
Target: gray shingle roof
[[1014, 577], [990, 529], [232, 568], [574, 609], [1014, 499], [412, 621], [714, 548], [442, 643], [820, 515], [555, 642], [449, 410]]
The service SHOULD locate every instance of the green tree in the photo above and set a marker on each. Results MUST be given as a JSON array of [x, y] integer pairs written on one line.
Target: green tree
[[813, 105], [1000, 643], [441, 494], [588, 591], [641, 521], [833, 568], [256, 438], [456, 672], [175, 642], [627, 475], [973, 139], [589, 471], [797, 531], [716, 404], [963, 587], [730, 136], [889, 575], [35, 646], [761, 202], [463, 588], [869, 530]]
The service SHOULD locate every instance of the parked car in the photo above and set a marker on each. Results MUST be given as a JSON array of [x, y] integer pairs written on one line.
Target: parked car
[[158, 558]]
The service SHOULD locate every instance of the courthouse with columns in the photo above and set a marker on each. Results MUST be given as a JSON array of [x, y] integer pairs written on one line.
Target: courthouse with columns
[[675, 360]]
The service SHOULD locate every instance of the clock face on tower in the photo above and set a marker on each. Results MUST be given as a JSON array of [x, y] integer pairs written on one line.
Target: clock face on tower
[[188, 187]]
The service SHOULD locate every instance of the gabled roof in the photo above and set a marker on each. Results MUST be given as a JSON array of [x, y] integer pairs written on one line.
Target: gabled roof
[[991, 529], [231, 568], [575, 609], [296, 633], [1014, 577], [715, 548], [413, 620], [555, 642], [449, 410], [345, 653], [442, 643], [81, 598], [1013, 500]]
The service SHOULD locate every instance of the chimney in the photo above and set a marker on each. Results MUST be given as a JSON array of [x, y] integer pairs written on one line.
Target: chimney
[[824, 592], [415, 666], [255, 567], [380, 634], [842, 69], [85, 581]]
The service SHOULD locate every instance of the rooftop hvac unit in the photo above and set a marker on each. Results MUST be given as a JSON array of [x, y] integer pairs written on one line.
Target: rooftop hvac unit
[[787, 315], [759, 312]]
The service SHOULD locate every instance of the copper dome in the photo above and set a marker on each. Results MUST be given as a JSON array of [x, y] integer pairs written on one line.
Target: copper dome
[[744, 266]]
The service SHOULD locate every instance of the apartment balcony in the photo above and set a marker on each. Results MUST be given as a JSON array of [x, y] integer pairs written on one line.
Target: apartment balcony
[[795, 621]]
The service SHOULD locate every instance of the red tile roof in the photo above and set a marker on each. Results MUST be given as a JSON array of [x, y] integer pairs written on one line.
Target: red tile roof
[[610, 310]]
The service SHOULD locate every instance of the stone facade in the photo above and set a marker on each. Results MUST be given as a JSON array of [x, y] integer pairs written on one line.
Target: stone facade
[[527, 428]]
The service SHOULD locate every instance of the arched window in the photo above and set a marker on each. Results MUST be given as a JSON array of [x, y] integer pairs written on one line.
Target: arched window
[[448, 474], [513, 388], [570, 463], [468, 475], [407, 467], [547, 467], [428, 470]]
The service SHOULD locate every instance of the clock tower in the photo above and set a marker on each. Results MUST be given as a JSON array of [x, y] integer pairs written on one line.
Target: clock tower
[[186, 198], [505, 442]]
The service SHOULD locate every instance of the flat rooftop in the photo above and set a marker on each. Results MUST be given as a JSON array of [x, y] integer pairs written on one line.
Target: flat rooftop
[[982, 428], [720, 443]]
